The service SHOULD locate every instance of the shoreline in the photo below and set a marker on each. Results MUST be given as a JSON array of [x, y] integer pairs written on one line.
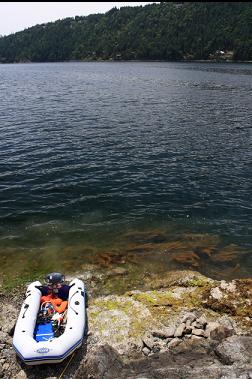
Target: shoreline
[[133, 61]]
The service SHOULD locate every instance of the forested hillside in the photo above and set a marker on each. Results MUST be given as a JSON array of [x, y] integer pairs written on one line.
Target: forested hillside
[[167, 31]]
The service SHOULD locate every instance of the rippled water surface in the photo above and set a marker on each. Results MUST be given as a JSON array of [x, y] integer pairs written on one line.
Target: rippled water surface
[[90, 152]]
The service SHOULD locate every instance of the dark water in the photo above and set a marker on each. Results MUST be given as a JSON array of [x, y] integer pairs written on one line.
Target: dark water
[[89, 151]]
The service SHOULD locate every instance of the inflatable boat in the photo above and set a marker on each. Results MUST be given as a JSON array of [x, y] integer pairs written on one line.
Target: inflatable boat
[[36, 340]]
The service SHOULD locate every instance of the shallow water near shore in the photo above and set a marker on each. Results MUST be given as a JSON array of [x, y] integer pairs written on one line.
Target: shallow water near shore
[[144, 166]]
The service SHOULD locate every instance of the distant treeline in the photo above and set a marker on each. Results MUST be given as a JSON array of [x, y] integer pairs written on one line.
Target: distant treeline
[[165, 31]]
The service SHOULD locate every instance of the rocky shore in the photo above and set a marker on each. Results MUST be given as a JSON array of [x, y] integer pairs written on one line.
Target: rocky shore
[[185, 326]]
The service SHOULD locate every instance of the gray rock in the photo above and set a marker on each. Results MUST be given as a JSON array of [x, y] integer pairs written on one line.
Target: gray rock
[[201, 322], [220, 333], [229, 287], [196, 338], [189, 317], [169, 340], [234, 376], [195, 324], [216, 293], [2, 337], [148, 341], [227, 321], [8, 354], [156, 348], [21, 375], [6, 366], [100, 362], [170, 332], [211, 326], [146, 351], [188, 323], [167, 333], [187, 336], [188, 327], [154, 355], [180, 330], [198, 332], [207, 372], [235, 349], [193, 345], [173, 343], [11, 327]]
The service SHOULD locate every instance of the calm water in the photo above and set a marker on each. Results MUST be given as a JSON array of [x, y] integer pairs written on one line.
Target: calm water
[[89, 151]]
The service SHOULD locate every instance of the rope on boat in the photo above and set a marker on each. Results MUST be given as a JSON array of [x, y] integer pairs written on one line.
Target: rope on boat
[[68, 363]]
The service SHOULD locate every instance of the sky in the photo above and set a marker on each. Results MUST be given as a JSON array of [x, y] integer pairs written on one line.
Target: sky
[[18, 16]]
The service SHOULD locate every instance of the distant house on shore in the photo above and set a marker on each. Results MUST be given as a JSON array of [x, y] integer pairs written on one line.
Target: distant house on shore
[[221, 55]]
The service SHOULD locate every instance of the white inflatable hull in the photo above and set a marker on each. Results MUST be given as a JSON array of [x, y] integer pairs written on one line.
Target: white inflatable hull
[[56, 349]]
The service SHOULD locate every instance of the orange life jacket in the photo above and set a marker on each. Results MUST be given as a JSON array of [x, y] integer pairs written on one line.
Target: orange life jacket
[[58, 304]]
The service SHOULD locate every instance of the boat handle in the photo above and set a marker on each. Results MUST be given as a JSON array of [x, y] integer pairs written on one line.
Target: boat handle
[[26, 306]]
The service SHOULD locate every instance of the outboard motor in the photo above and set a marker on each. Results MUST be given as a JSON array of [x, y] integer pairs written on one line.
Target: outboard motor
[[54, 281], [55, 278]]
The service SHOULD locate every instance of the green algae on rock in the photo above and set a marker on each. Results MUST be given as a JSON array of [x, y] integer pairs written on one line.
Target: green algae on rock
[[122, 321], [119, 321]]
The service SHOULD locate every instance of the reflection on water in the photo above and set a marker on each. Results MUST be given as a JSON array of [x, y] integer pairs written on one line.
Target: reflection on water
[[90, 151]]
